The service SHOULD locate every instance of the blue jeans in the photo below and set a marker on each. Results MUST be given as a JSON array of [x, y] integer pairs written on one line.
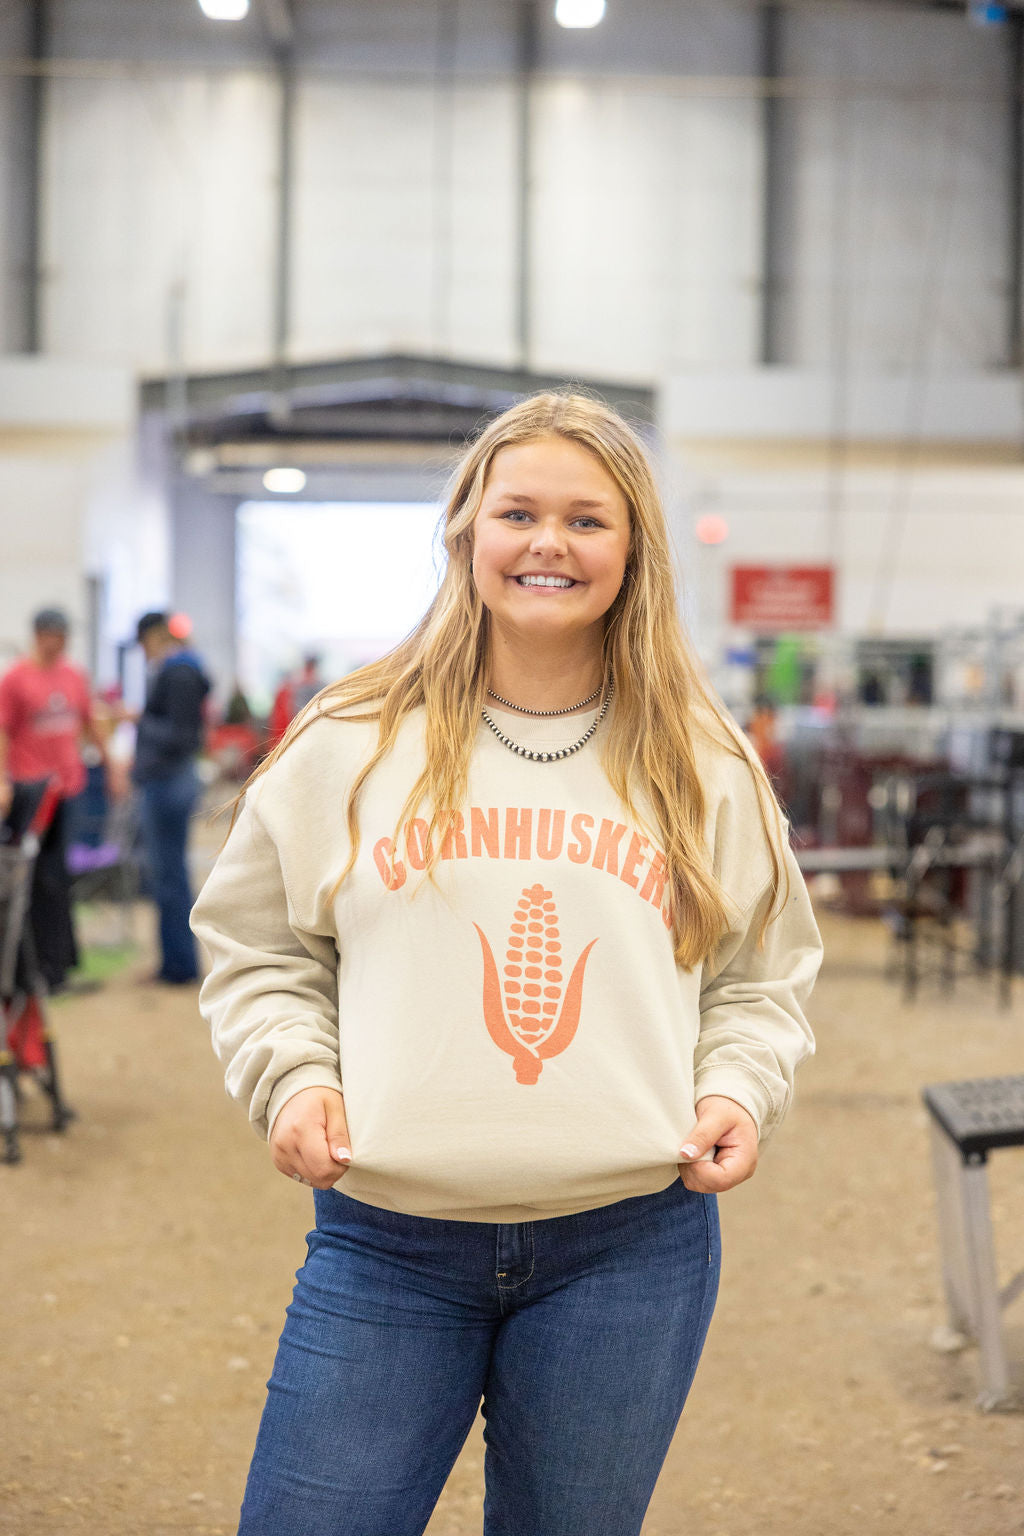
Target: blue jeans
[[581, 1334], [167, 806]]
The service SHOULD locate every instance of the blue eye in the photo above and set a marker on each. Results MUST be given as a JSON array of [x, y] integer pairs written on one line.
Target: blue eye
[[518, 515]]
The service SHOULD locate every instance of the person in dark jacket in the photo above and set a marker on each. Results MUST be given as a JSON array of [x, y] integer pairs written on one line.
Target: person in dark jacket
[[170, 733]]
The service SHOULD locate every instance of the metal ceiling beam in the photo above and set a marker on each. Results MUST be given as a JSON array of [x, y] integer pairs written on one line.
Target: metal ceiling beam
[[337, 394]]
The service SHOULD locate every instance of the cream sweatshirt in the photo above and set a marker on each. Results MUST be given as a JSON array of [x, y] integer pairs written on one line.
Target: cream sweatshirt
[[515, 1040]]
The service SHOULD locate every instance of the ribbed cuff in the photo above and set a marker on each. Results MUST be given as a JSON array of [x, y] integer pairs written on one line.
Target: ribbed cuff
[[745, 1088], [313, 1075]]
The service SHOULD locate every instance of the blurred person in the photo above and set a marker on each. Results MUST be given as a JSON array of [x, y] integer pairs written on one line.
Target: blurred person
[[169, 737], [238, 710], [296, 691], [528, 1143], [45, 711], [763, 730], [236, 743]]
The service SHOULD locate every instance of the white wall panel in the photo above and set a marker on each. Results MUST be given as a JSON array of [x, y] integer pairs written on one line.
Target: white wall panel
[[404, 220], [43, 481], [478, 266], [899, 240], [646, 221], [154, 189], [75, 503], [363, 218]]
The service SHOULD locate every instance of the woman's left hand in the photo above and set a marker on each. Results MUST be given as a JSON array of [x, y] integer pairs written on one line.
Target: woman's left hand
[[726, 1125]]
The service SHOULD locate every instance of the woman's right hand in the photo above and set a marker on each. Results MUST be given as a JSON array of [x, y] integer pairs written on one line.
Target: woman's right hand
[[310, 1141]]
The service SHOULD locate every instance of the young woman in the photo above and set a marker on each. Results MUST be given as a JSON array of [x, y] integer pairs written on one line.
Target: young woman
[[508, 959]]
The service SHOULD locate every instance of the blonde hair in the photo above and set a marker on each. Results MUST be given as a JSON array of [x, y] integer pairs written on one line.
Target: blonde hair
[[648, 743]]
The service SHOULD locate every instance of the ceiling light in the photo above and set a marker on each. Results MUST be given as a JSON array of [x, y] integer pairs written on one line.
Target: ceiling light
[[224, 10], [285, 482], [579, 13]]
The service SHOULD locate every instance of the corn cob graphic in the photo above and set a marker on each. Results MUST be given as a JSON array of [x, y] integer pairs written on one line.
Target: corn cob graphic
[[526, 1023]]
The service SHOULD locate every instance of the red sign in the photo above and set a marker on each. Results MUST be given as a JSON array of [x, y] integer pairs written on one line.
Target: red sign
[[779, 597]]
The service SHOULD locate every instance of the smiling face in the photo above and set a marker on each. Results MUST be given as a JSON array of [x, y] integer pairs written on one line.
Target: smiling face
[[550, 541]]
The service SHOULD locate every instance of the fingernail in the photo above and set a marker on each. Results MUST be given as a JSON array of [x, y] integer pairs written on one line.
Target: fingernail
[[688, 1151], [342, 1154]]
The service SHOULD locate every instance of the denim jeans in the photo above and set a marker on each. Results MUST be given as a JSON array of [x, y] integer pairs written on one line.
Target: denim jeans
[[581, 1334], [167, 806]]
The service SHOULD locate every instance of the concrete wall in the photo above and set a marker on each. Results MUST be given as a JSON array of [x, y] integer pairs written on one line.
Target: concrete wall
[[924, 529], [75, 505]]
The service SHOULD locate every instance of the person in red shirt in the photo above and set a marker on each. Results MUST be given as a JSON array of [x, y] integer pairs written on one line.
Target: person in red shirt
[[45, 709], [294, 694]]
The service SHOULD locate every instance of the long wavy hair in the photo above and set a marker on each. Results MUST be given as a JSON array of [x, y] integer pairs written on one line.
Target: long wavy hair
[[661, 697]]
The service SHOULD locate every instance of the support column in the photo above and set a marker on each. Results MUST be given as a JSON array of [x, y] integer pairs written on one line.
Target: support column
[[1015, 192], [526, 65], [442, 178], [279, 22], [25, 306], [771, 348]]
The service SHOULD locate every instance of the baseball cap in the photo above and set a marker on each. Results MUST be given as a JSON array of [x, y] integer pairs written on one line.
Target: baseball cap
[[51, 620]]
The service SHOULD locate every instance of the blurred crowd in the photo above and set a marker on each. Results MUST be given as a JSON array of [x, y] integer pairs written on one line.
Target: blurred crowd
[[125, 782]]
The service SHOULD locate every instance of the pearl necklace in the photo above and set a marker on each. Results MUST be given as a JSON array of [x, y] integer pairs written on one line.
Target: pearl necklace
[[559, 753], [521, 709]]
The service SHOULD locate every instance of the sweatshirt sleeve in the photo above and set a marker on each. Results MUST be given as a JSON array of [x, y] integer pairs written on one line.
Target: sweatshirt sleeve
[[271, 994], [753, 1032]]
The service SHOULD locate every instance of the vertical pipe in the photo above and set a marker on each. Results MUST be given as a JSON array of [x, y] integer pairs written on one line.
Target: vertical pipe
[[443, 179], [1015, 318], [769, 26], [526, 64], [284, 58], [39, 47]]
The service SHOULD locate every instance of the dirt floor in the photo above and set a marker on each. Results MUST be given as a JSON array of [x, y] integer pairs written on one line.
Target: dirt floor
[[147, 1257]]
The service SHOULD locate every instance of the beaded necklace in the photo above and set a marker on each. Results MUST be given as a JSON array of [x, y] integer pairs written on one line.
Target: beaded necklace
[[569, 709], [559, 752]]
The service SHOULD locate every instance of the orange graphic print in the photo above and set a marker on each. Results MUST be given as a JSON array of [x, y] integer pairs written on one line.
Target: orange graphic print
[[527, 1024]]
